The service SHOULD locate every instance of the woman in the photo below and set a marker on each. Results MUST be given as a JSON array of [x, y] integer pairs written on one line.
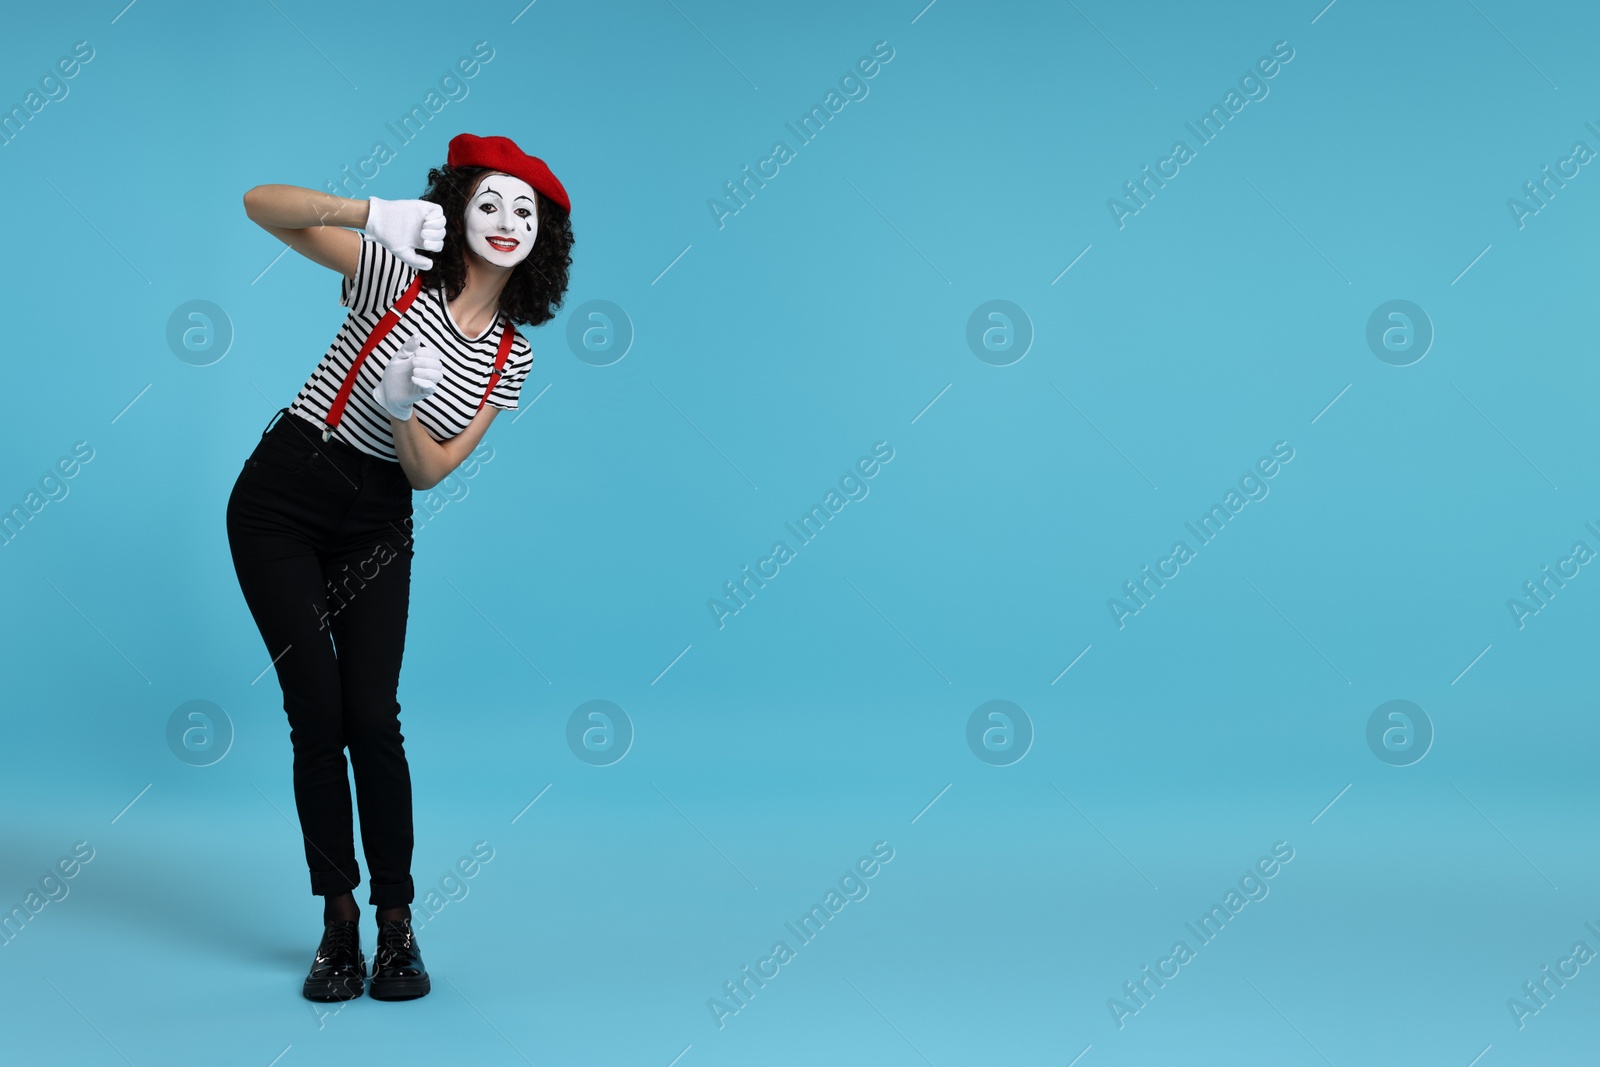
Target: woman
[[319, 521]]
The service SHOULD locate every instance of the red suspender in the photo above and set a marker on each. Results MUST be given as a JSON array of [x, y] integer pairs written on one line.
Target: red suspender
[[506, 333], [380, 331], [385, 324]]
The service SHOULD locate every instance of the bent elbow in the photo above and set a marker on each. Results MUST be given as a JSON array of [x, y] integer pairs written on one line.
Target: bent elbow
[[411, 481]]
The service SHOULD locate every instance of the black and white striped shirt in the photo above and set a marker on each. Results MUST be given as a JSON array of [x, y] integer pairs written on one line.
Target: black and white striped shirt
[[381, 279]]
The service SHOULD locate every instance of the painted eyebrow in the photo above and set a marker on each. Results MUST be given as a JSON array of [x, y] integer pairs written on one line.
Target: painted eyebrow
[[519, 196]]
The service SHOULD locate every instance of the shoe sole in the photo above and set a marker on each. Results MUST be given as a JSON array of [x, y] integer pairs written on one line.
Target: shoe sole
[[401, 988], [326, 990], [332, 989]]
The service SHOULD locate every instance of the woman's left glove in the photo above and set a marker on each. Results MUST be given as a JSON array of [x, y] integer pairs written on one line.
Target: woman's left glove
[[412, 375]]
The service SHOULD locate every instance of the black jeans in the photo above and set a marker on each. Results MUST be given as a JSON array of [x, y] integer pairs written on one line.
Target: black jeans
[[321, 539]]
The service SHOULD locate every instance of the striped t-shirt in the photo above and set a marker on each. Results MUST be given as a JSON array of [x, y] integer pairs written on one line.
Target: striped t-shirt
[[381, 279]]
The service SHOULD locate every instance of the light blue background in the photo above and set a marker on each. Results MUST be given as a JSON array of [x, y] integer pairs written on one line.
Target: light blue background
[[828, 714]]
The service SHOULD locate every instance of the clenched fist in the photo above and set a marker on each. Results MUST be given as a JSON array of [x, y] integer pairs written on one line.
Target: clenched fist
[[403, 226], [412, 375]]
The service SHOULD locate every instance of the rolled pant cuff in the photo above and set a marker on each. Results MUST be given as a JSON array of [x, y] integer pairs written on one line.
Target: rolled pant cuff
[[391, 894], [333, 883]]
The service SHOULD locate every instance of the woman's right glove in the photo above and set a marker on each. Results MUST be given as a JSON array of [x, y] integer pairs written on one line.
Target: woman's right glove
[[412, 375], [403, 226]]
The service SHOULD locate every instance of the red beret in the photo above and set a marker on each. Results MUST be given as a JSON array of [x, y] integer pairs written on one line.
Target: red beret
[[502, 154]]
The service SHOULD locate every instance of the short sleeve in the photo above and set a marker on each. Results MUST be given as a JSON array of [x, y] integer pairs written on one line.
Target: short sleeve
[[381, 278], [506, 391]]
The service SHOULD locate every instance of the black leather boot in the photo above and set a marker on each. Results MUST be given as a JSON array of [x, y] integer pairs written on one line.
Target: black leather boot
[[339, 969], [397, 970]]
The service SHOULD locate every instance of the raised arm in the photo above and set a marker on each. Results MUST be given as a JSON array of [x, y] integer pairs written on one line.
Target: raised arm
[[310, 222]]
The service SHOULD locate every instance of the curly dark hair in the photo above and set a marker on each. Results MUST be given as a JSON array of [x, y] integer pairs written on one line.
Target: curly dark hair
[[537, 285]]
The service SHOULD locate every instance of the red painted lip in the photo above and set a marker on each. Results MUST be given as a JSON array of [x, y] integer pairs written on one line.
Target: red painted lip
[[503, 244]]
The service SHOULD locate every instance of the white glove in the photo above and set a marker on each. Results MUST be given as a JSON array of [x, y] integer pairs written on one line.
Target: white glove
[[403, 226], [412, 375]]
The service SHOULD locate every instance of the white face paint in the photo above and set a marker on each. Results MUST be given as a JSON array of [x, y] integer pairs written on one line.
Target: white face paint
[[502, 220]]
